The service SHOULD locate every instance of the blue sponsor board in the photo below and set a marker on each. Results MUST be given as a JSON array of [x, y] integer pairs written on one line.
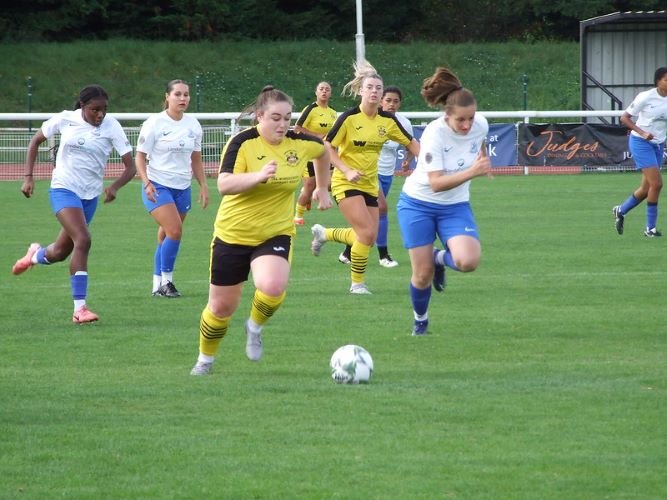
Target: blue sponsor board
[[501, 143]]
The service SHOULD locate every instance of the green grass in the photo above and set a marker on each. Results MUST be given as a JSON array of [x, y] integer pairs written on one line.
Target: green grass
[[543, 376], [231, 74]]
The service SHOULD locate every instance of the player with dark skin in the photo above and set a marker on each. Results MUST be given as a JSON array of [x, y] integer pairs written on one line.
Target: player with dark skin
[[87, 138], [74, 237]]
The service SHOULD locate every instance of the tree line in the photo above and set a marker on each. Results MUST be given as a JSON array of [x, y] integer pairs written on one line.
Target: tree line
[[453, 21]]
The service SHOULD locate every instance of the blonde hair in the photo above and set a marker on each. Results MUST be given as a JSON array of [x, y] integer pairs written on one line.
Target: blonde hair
[[444, 89], [362, 70]]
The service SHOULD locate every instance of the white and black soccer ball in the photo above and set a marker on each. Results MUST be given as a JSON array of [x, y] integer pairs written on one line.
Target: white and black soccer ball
[[351, 364]]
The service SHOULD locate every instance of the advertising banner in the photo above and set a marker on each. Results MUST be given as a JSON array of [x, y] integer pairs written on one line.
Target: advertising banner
[[573, 144]]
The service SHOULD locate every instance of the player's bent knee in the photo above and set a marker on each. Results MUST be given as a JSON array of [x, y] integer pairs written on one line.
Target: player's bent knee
[[467, 265]]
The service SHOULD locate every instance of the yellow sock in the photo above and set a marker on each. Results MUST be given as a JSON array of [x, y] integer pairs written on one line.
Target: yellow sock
[[212, 329], [263, 306], [300, 210], [359, 260], [341, 235]]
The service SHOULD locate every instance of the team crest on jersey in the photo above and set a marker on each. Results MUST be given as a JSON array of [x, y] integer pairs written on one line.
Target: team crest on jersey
[[474, 148], [291, 157], [382, 131], [191, 134], [81, 141], [428, 158]]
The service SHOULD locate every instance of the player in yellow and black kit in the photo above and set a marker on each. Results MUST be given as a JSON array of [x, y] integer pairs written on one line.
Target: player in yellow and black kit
[[260, 170], [316, 119], [354, 145]]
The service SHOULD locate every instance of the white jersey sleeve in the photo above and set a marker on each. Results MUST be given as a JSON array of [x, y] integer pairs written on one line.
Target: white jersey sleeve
[[83, 151], [442, 150], [389, 151], [650, 110]]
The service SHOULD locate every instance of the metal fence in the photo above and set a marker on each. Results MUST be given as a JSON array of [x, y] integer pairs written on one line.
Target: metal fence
[[14, 143]]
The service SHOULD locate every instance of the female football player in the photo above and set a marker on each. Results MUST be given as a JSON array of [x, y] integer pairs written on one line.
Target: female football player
[[316, 119], [435, 200], [391, 103], [260, 170], [647, 145], [168, 154], [87, 138], [354, 144]]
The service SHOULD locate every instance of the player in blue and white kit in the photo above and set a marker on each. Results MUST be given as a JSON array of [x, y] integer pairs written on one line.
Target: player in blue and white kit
[[168, 154], [647, 145], [87, 138], [435, 201]]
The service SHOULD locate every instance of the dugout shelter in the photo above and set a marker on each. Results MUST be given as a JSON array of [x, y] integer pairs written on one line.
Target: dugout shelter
[[619, 55]]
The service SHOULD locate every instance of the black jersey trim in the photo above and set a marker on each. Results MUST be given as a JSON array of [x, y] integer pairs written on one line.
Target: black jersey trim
[[229, 159], [339, 122]]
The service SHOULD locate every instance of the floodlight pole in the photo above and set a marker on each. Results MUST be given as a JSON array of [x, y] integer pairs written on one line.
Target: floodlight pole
[[359, 37]]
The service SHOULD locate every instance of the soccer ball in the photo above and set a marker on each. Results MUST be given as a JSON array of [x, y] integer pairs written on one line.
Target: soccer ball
[[351, 364]]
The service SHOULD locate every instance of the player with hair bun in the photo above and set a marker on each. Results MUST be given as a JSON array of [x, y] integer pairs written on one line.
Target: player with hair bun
[[260, 169], [354, 144], [435, 200]]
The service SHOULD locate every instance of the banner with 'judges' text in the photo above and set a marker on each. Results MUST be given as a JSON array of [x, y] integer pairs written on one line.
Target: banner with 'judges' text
[[575, 144]]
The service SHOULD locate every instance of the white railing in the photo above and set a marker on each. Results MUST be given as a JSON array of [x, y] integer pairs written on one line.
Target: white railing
[[232, 118], [16, 130]]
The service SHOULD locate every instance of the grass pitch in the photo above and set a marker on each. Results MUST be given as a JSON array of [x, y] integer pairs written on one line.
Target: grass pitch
[[543, 376]]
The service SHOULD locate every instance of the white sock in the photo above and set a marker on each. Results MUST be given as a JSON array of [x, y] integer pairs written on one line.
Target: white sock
[[420, 317], [78, 304], [167, 277], [33, 259], [157, 281], [440, 257], [205, 358], [254, 327]]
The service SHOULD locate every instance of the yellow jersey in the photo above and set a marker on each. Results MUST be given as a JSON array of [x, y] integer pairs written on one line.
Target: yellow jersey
[[266, 210], [359, 139], [317, 119]]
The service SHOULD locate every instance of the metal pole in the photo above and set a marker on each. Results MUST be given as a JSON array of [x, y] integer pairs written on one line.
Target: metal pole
[[30, 101], [197, 93], [525, 92], [359, 37]]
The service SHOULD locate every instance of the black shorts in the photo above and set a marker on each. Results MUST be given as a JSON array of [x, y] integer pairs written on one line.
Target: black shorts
[[371, 201], [311, 168], [230, 263]]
